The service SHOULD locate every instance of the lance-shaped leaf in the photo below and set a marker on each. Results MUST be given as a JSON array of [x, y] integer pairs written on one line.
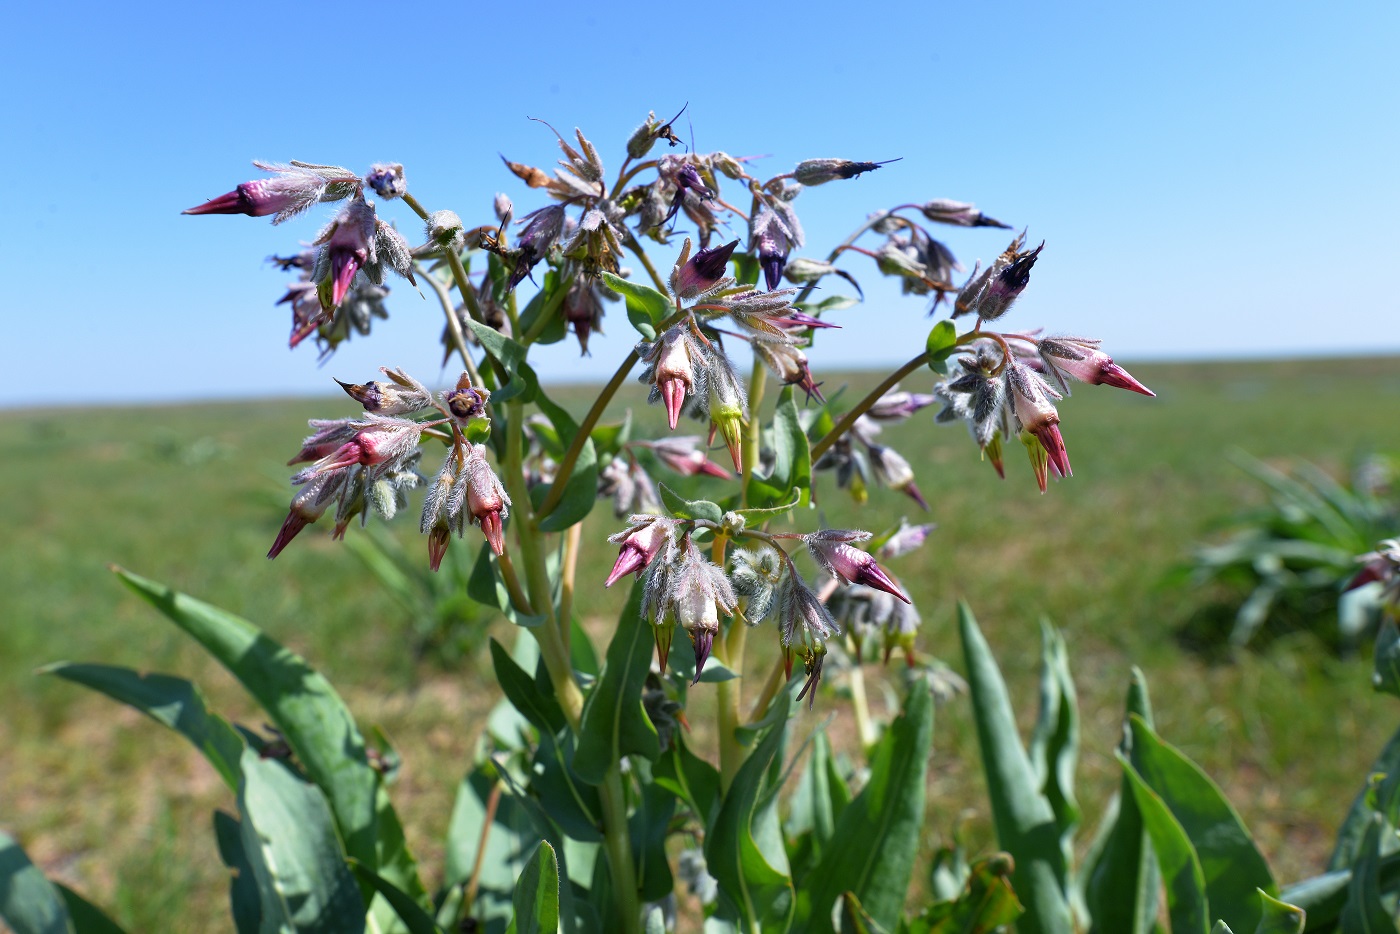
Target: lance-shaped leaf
[[537, 894], [1121, 879], [1278, 917], [1054, 746], [1181, 870], [87, 917], [792, 453], [648, 827], [1358, 819], [646, 307], [1323, 897], [29, 902], [244, 900], [540, 708], [581, 489], [615, 723], [173, 702], [816, 806], [877, 836], [411, 914], [487, 587], [1024, 819], [690, 778], [753, 890], [289, 837], [311, 717], [545, 305], [1232, 866], [510, 355], [1364, 912], [683, 508]]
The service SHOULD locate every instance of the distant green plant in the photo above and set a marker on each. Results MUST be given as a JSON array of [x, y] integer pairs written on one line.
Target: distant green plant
[[447, 624], [1294, 557]]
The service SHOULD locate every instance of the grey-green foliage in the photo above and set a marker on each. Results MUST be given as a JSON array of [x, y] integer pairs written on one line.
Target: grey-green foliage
[[1293, 557]]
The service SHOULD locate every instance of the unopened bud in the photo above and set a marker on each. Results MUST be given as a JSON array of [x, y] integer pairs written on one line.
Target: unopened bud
[[387, 180], [821, 171]]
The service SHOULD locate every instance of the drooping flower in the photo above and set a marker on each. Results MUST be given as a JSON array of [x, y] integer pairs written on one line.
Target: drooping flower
[[674, 367], [726, 402], [641, 542], [486, 499], [686, 456], [906, 538], [1080, 358], [774, 232], [958, 213], [790, 365], [291, 190], [346, 245], [806, 625], [831, 548], [1034, 410], [308, 505], [387, 179], [894, 471], [541, 229], [681, 587]]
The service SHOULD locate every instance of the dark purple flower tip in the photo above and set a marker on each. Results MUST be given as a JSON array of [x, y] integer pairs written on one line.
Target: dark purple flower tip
[[1016, 276], [772, 264], [703, 640], [291, 526], [712, 263]]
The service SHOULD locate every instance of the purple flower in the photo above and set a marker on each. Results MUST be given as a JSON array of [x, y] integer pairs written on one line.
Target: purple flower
[[486, 498], [694, 276], [386, 178], [790, 364], [685, 456], [831, 549], [1037, 414], [542, 228], [774, 232], [906, 538], [401, 395], [991, 293], [1080, 358], [347, 244], [641, 542], [291, 190], [895, 406]]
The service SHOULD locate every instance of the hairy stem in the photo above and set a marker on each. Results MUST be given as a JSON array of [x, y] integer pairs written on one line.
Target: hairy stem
[[864, 405], [729, 697]]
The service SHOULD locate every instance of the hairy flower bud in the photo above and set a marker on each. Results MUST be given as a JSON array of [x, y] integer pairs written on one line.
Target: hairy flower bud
[[958, 213], [387, 180], [701, 272], [806, 625], [673, 367], [292, 189], [894, 471], [486, 498], [685, 455], [906, 538], [821, 171], [641, 542], [401, 395], [347, 244], [991, 293], [444, 229], [1037, 414], [895, 406], [831, 549], [790, 365], [1080, 358]]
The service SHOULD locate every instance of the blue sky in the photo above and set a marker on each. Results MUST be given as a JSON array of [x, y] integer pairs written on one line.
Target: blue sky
[[1211, 180]]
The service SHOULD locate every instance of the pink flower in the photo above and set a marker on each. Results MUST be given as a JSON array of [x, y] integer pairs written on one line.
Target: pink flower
[[694, 276], [671, 368], [641, 542], [292, 189], [685, 456], [1037, 415], [487, 501], [347, 245], [1081, 359], [831, 549], [375, 441]]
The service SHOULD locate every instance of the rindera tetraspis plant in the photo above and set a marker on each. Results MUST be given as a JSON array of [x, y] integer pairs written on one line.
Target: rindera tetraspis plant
[[588, 754]]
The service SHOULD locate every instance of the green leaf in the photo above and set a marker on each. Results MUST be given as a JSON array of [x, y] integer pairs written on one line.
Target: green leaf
[[1353, 829], [575, 807], [986, 903], [29, 903], [855, 919], [537, 894], [539, 708], [172, 702], [609, 439], [1121, 875], [648, 827], [690, 778], [751, 887], [546, 303], [1232, 866], [1387, 674], [520, 379], [581, 489], [1364, 912], [646, 307], [1024, 820], [87, 917], [289, 838], [792, 462], [682, 508], [486, 587], [816, 805], [414, 918], [1323, 897], [615, 724], [244, 900], [758, 516], [1278, 917], [877, 835], [1181, 870], [1054, 746], [829, 303], [302, 704], [507, 841], [746, 268], [942, 341]]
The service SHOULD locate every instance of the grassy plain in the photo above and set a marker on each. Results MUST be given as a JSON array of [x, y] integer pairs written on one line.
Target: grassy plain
[[192, 496]]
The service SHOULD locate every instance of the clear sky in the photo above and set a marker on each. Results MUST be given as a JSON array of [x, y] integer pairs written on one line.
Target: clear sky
[[1211, 179]]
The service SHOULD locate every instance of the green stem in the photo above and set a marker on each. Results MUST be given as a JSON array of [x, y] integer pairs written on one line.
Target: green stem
[[864, 405], [729, 698], [645, 260], [865, 728], [870, 221], [454, 328], [546, 314], [758, 379], [617, 838]]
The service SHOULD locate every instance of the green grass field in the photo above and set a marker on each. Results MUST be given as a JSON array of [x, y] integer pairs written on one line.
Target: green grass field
[[193, 495]]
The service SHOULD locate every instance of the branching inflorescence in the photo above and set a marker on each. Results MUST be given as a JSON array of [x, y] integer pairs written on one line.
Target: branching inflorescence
[[713, 567]]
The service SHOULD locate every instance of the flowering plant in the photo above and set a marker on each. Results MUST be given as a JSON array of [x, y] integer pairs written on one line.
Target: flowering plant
[[599, 765]]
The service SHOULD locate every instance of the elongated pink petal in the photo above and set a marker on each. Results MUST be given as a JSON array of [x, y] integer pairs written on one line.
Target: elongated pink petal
[[1114, 375], [292, 525]]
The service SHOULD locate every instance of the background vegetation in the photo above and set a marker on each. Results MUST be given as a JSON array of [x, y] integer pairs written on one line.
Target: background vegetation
[[193, 495]]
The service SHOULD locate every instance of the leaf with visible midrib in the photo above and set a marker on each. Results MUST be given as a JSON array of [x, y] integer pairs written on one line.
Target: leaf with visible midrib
[[614, 722], [877, 835]]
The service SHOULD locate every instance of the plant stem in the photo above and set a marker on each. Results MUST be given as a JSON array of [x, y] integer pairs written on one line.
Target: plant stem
[[617, 838], [569, 567], [770, 690], [493, 800], [729, 697], [566, 467], [547, 312], [865, 728], [454, 328], [512, 582], [645, 260], [864, 405], [412, 202], [758, 380]]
